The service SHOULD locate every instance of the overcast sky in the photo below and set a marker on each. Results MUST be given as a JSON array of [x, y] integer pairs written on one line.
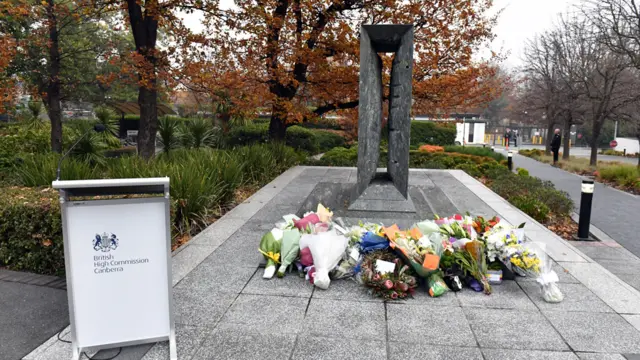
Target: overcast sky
[[521, 20]]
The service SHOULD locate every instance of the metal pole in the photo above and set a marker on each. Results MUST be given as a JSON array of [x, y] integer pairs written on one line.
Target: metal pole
[[585, 209], [510, 160]]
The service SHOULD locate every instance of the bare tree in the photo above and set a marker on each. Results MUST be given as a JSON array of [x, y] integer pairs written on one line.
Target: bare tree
[[618, 25]]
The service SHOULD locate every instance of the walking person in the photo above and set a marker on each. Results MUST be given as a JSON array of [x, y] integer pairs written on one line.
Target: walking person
[[555, 146]]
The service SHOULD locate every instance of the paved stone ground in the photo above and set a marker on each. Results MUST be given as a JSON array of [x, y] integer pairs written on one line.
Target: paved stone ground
[[613, 212], [225, 310], [32, 309]]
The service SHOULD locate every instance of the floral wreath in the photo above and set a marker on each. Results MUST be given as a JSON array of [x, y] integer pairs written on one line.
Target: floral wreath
[[398, 284]]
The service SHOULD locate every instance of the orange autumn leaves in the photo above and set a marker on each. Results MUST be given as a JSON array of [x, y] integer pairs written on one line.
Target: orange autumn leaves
[[431, 148]]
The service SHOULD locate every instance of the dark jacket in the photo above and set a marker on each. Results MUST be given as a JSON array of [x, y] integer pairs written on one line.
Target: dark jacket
[[555, 143]]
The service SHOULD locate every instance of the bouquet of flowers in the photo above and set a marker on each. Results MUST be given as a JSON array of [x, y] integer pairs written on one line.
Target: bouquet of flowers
[[326, 249], [270, 245], [397, 283], [420, 251], [531, 260], [289, 249], [481, 225], [473, 261], [457, 226]]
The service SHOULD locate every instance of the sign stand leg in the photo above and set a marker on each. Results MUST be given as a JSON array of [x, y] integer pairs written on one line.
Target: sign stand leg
[[173, 351]]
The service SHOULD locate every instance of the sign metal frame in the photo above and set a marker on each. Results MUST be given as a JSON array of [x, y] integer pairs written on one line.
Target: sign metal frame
[[68, 189]]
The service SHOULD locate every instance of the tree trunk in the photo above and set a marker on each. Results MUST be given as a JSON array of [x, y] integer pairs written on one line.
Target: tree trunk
[[53, 87], [550, 133], [145, 32], [148, 102], [277, 125], [566, 137], [596, 128], [638, 153]]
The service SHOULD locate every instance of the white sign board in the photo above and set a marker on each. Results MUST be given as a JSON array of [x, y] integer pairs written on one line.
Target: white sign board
[[118, 259], [132, 132]]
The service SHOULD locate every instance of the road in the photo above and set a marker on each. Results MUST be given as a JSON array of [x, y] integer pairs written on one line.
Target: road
[[614, 212]]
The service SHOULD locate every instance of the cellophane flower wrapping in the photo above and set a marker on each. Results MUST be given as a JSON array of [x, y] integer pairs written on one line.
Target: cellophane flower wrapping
[[289, 249], [420, 251], [327, 249], [270, 245], [541, 267]]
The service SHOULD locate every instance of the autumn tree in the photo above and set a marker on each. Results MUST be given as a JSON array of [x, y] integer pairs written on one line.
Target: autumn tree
[[58, 49], [303, 54]]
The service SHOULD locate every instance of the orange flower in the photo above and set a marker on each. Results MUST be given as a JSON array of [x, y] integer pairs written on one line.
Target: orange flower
[[431, 148]]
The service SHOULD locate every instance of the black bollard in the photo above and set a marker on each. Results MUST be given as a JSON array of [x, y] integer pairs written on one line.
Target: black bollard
[[493, 148], [624, 152], [510, 160], [585, 209]]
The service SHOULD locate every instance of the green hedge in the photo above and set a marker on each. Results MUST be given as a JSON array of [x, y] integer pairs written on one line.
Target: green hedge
[[297, 137], [425, 132], [473, 150], [31, 230]]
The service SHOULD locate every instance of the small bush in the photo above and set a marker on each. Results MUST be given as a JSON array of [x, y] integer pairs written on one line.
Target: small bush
[[31, 230], [302, 139], [340, 157], [477, 151], [625, 175], [247, 135], [532, 207], [532, 153], [40, 170], [328, 140], [523, 172], [426, 132]]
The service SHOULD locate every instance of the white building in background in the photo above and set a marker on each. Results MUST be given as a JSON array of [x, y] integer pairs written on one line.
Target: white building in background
[[470, 126], [631, 145]]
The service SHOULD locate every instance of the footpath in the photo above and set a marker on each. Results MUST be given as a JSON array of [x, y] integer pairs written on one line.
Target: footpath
[[614, 212]]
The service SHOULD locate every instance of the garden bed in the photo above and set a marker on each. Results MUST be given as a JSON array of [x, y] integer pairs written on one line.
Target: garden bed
[[618, 175]]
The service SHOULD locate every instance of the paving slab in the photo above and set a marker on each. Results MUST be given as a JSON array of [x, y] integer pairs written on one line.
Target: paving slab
[[290, 285], [577, 297], [216, 279], [345, 290], [633, 320], [200, 308], [429, 324], [266, 314], [597, 356], [345, 319], [230, 344], [188, 341], [319, 348], [187, 259], [507, 295], [402, 351], [596, 332], [503, 354], [514, 329]]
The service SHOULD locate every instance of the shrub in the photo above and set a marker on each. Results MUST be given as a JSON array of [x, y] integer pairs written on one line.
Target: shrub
[[532, 153], [302, 139], [199, 132], [523, 172], [40, 170], [532, 207], [169, 134], [509, 185], [297, 137], [340, 157], [31, 230], [477, 151], [328, 140], [426, 132], [625, 175]]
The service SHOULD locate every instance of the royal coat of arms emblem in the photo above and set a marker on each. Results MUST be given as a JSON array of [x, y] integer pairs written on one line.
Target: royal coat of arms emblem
[[105, 242]]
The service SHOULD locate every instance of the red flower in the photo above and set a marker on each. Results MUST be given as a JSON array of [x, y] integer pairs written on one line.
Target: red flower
[[388, 284], [376, 277], [402, 287], [457, 217], [394, 295]]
